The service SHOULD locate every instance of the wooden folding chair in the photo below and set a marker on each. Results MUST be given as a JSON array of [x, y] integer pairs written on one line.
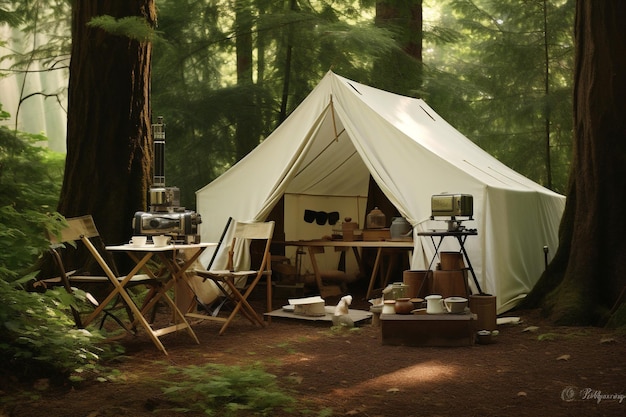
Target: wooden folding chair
[[234, 282], [83, 230]]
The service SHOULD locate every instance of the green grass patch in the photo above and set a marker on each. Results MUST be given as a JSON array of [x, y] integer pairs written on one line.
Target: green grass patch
[[220, 390]]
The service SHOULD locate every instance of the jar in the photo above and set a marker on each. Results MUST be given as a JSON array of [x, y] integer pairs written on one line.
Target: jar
[[395, 290], [389, 307], [403, 306], [376, 219]]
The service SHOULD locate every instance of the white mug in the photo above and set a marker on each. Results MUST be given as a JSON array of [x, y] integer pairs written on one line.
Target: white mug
[[161, 240], [434, 304], [138, 240]]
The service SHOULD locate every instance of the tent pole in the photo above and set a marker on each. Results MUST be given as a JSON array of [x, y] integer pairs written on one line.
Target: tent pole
[[332, 114]]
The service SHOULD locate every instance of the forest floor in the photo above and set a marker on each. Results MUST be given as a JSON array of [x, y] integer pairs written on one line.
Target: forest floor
[[532, 369]]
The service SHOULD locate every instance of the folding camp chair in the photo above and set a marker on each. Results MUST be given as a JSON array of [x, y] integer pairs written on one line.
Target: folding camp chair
[[83, 230], [234, 282]]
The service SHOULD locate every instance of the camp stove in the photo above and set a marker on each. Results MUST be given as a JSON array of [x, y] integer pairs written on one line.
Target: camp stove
[[165, 217]]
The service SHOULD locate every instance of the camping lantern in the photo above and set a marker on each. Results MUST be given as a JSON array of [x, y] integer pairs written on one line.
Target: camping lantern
[[452, 206]]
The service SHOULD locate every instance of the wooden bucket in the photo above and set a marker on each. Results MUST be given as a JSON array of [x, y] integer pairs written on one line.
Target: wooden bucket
[[450, 283], [418, 282], [484, 306], [451, 261]]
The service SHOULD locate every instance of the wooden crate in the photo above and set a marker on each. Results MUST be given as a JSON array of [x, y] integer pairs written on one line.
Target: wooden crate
[[428, 329], [376, 234]]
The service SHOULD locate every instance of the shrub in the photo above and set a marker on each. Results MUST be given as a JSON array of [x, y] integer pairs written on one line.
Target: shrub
[[30, 184], [37, 334], [216, 389]]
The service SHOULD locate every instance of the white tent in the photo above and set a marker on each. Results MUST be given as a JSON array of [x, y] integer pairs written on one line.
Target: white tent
[[321, 156]]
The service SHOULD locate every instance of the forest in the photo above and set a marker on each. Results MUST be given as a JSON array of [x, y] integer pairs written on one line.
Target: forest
[[226, 73]]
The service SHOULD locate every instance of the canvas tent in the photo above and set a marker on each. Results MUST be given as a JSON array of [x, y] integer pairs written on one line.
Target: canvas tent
[[320, 158]]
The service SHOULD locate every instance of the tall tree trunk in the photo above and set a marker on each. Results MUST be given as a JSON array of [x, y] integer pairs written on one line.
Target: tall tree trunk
[[401, 70], [109, 142], [293, 6], [246, 137], [589, 270], [546, 91]]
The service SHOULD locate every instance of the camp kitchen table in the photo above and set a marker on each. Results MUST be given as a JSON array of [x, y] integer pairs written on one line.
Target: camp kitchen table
[[460, 236], [168, 257], [355, 244]]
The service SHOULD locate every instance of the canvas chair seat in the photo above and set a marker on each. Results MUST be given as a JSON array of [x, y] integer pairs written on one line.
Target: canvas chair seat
[[236, 284], [140, 279]]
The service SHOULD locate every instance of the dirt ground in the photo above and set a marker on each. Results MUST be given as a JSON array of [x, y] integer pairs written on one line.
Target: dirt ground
[[527, 371]]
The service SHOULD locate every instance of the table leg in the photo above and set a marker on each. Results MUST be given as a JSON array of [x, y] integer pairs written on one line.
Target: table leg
[[436, 246], [469, 264], [374, 272], [119, 289], [118, 286]]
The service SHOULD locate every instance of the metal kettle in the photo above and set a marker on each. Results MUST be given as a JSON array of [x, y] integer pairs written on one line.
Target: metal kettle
[[400, 228]]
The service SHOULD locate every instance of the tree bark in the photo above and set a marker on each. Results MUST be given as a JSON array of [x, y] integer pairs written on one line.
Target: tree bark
[[401, 70], [589, 270], [109, 140], [246, 135]]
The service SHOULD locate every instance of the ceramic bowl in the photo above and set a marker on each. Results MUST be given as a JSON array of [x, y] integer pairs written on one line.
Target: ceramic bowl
[[483, 337], [455, 305]]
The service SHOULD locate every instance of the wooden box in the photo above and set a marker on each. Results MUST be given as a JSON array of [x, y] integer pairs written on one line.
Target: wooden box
[[308, 306], [376, 234], [428, 329]]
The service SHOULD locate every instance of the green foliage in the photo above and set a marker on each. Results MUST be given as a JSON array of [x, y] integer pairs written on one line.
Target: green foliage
[[214, 115], [37, 335], [484, 70], [30, 183], [505, 81], [216, 389], [132, 27], [38, 338]]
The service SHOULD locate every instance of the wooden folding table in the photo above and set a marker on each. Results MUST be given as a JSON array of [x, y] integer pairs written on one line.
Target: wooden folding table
[[168, 255], [379, 245]]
